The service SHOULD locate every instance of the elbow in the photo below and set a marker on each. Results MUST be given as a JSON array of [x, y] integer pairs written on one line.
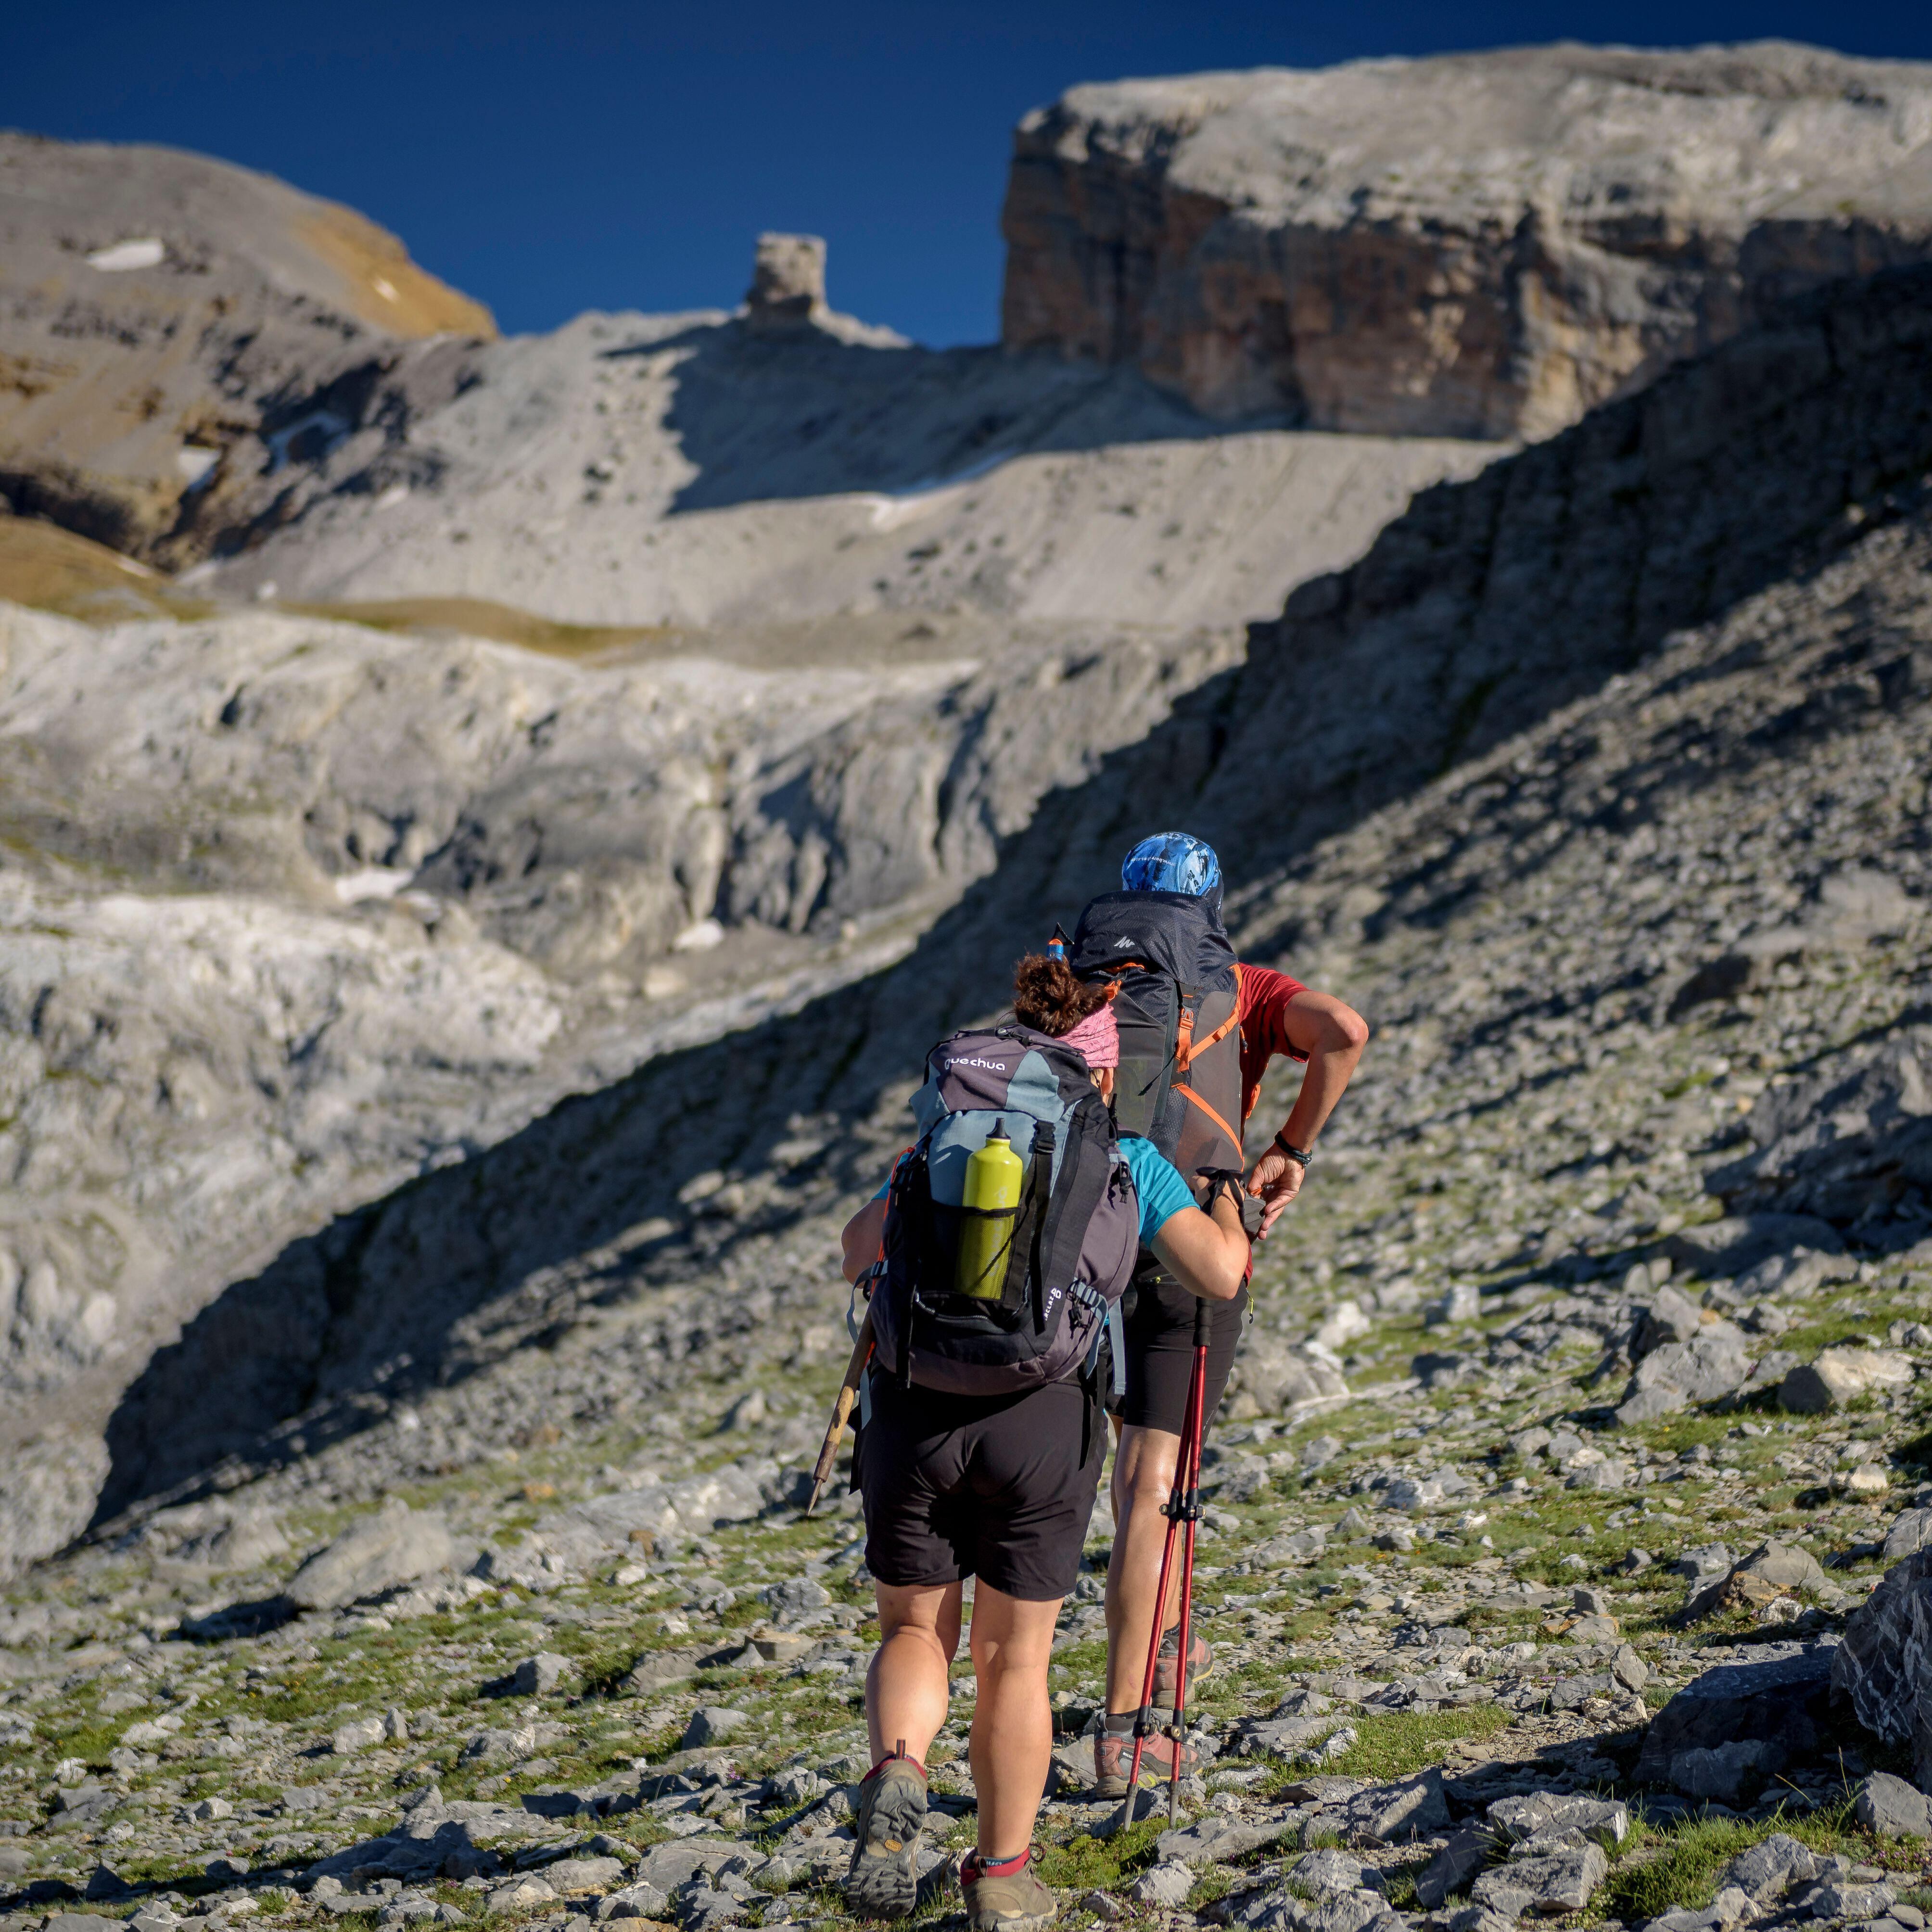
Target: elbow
[[1353, 1031], [1232, 1273]]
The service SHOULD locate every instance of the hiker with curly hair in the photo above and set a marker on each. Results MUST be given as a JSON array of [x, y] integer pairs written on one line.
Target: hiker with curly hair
[[983, 1434]]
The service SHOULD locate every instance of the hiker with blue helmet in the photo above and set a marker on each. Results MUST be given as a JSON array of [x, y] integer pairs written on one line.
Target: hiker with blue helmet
[[1197, 1028]]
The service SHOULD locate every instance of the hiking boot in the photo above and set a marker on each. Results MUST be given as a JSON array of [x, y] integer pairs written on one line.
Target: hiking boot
[[883, 1879], [1113, 1754], [1005, 1900], [1200, 1665]]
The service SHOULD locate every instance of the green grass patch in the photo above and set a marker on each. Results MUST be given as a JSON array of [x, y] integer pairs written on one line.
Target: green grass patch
[[1657, 1868], [1083, 1863], [1397, 1743]]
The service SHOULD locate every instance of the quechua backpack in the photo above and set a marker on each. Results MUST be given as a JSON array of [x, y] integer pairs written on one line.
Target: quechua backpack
[[1177, 998], [1075, 1231]]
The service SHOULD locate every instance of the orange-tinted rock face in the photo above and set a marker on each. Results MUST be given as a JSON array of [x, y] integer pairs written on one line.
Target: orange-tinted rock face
[[1478, 245]]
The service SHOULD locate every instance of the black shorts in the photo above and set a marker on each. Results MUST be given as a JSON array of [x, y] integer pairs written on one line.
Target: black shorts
[[1160, 1351], [957, 1486]]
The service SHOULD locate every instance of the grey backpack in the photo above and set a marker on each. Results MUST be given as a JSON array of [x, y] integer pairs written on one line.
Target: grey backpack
[[1075, 1232]]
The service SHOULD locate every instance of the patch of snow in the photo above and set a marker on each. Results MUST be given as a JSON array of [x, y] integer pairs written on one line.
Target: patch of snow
[[386, 289], [194, 464], [396, 493], [373, 882], [699, 938], [145, 253], [892, 509]]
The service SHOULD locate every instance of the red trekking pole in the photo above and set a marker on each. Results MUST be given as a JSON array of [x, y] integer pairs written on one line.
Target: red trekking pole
[[1182, 1507]]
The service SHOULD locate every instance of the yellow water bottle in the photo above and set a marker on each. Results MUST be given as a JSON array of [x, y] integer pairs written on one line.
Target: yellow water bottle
[[993, 1173]]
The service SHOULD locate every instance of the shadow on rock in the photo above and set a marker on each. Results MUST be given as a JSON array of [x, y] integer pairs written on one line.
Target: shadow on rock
[[1651, 515]]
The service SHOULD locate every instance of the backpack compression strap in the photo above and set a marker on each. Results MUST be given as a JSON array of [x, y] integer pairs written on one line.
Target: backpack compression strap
[[1187, 1051]]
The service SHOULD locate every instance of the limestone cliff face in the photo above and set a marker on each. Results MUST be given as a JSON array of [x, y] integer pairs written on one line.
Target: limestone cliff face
[[1485, 245]]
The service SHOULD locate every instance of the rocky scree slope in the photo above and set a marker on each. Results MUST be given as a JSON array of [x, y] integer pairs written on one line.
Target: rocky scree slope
[[161, 313], [1459, 1578], [1474, 245], [697, 470], [1449, 618], [290, 916]]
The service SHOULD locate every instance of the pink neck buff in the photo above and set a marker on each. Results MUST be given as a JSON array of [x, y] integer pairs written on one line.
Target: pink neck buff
[[1096, 1040]]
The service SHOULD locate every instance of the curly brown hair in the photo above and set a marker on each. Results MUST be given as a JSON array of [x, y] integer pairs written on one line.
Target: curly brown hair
[[1048, 998]]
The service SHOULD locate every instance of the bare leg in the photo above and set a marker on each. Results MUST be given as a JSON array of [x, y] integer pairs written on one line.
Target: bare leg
[[1012, 1724], [906, 1690], [1144, 1466]]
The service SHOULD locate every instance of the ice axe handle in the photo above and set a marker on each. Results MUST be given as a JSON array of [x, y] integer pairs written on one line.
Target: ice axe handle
[[841, 1412]]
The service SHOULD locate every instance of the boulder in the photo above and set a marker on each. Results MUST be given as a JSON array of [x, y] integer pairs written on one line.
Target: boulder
[[1273, 1377], [1714, 1363], [1772, 1571], [1840, 1375], [1166, 1886], [1776, 1703], [1884, 1665], [538, 1676], [1672, 1316], [395, 1546], [1891, 1808], [712, 1724], [1326, 1873], [1522, 1818], [1764, 1870], [1452, 1869], [1392, 1814], [1738, 1243], [1550, 1882], [1215, 1839], [572, 1877], [1855, 1137], [1910, 1532]]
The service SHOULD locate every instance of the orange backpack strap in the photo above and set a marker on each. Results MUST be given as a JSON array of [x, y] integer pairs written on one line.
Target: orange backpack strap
[[1187, 1052], [1189, 1093]]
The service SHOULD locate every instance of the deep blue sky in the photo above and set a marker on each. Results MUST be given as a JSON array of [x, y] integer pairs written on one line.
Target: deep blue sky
[[553, 158]]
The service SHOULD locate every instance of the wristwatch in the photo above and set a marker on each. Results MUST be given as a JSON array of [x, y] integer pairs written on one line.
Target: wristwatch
[[1304, 1155]]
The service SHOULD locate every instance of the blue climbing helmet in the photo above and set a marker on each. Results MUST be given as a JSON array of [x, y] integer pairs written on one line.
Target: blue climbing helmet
[[1172, 861]]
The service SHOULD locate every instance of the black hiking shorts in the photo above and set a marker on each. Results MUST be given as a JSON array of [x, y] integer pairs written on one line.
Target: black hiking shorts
[[1000, 1489], [1160, 1351]]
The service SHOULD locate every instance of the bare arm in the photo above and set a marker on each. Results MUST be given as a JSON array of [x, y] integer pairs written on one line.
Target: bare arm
[[1207, 1253], [1333, 1035], [860, 1241]]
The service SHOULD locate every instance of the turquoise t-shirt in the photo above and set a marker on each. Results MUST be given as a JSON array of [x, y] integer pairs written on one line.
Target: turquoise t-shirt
[[1157, 1184], [1157, 1181]]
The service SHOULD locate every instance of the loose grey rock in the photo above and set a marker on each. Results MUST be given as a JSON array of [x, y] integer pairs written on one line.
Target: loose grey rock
[[1452, 1869], [1883, 1666], [1387, 1814], [713, 1724], [1840, 1375], [1166, 1885], [538, 1676], [1517, 1819], [1751, 1716], [1550, 1882], [1892, 1808], [394, 1546], [1763, 1872], [567, 1877]]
